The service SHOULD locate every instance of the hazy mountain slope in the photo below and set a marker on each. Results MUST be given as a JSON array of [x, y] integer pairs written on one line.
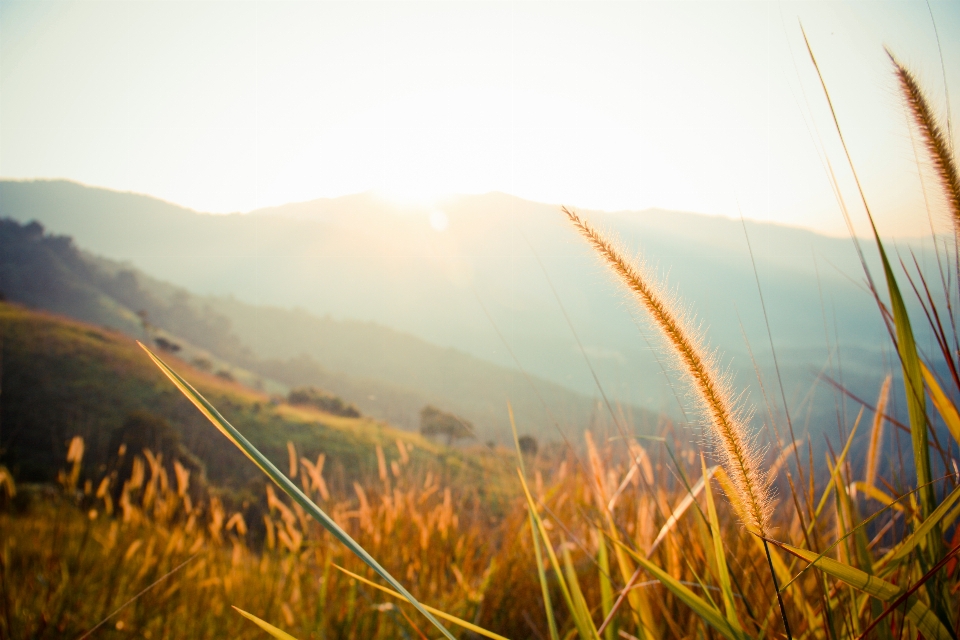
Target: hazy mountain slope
[[388, 374], [64, 378], [359, 257]]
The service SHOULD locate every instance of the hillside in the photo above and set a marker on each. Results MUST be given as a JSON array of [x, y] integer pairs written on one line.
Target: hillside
[[360, 258], [388, 374], [63, 378]]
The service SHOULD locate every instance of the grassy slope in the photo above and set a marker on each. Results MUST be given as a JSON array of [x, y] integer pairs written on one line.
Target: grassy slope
[[63, 378]]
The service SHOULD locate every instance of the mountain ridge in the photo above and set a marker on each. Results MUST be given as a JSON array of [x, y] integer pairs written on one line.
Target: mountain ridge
[[506, 280]]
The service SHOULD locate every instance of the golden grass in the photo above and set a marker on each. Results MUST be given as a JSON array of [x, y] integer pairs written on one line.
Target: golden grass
[[939, 147]]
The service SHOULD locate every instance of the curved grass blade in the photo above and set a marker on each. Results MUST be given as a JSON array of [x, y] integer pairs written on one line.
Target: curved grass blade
[[909, 543], [284, 483], [917, 611], [266, 626], [541, 574], [704, 610], [905, 343], [948, 411], [440, 614], [584, 626]]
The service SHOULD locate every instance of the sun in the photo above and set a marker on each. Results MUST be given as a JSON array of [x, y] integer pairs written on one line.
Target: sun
[[411, 196]]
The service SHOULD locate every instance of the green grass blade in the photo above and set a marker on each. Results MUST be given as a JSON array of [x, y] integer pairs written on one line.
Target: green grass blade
[[606, 588], [440, 614], [917, 611], [704, 610], [946, 408], [908, 544], [285, 484], [583, 610], [584, 627], [266, 626], [541, 574], [913, 385], [833, 477]]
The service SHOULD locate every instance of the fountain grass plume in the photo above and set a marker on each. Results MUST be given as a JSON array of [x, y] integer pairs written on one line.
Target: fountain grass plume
[[938, 145], [733, 442]]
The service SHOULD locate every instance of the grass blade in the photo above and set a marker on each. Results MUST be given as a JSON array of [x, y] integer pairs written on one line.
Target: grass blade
[[266, 626], [440, 614], [584, 626], [917, 611], [541, 574], [606, 588], [910, 543], [681, 508], [723, 575], [707, 612], [947, 410], [284, 483]]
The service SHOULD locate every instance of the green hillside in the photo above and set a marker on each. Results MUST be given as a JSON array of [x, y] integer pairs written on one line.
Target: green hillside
[[388, 374], [62, 378]]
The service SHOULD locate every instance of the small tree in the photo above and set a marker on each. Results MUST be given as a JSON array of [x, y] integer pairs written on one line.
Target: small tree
[[434, 422], [528, 445]]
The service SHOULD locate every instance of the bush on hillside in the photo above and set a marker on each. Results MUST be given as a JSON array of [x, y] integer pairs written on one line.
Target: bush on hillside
[[326, 402]]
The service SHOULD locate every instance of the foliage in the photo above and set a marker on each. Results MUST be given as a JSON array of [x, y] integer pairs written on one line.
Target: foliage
[[322, 400], [434, 422]]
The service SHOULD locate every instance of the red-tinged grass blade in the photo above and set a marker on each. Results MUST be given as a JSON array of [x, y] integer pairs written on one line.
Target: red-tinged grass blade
[[917, 611], [285, 484], [703, 609], [946, 408], [266, 626], [541, 574], [440, 614], [908, 594]]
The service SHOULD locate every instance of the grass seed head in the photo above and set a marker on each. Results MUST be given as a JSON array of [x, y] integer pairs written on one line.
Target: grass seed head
[[732, 441]]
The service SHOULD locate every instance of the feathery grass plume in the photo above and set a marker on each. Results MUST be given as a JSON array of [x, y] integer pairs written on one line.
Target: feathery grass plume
[[938, 145], [733, 442]]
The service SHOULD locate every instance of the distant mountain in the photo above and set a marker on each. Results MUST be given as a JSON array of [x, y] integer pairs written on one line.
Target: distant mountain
[[480, 278], [388, 374]]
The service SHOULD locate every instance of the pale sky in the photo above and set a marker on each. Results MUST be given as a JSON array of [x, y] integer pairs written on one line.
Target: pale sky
[[230, 106]]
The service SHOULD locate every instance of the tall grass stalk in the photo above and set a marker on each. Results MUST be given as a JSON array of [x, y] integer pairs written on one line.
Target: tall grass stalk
[[737, 449], [734, 443], [938, 145]]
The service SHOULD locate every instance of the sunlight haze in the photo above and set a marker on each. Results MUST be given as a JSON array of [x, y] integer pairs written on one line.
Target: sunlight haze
[[703, 107]]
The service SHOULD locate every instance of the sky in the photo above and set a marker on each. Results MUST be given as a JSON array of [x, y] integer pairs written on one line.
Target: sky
[[710, 107]]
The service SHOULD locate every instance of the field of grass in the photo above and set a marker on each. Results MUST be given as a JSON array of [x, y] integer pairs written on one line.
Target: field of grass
[[611, 537]]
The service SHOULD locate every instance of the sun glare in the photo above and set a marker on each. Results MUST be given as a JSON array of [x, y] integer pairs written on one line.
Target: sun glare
[[410, 197]]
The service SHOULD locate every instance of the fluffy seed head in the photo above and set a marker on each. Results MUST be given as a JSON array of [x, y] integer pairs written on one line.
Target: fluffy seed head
[[733, 443], [934, 139]]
